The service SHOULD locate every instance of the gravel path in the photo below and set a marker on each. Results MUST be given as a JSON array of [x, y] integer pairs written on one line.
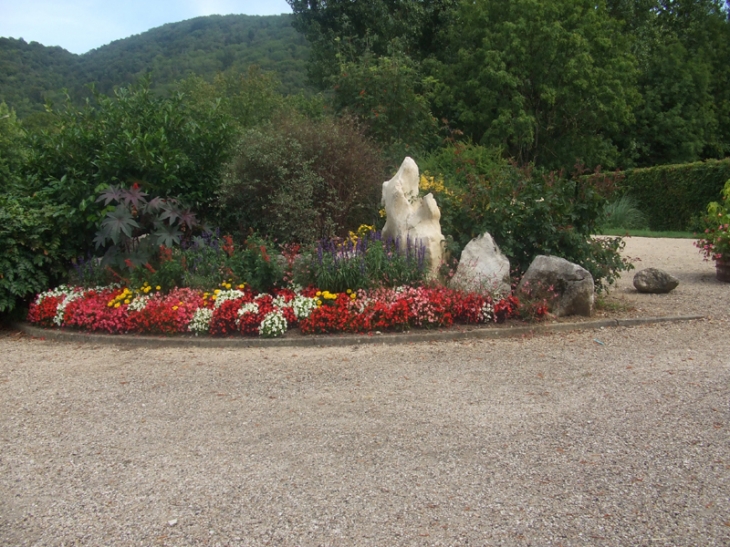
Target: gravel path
[[611, 437]]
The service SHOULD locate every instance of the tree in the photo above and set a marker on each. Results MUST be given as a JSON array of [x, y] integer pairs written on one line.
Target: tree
[[549, 81], [387, 94], [331, 25], [682, 49]]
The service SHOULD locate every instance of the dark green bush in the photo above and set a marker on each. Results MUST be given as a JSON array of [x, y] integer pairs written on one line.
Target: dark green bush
[[299, 180], [527, 212], [32, 254], [173, 148], [674, 197]]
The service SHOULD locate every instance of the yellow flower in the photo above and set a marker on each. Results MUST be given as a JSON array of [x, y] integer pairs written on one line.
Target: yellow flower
[[110, 304], [174, 308], [127, 301], [146, 284], [241, 286], [319, 302], [349, 291], [158, 288], [117, 305], [214, 297], [217, 291], [319, 293], [353, 296], [227, 285]]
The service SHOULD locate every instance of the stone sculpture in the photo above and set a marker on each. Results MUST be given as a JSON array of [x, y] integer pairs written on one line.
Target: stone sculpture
[[573, 285], [483, 268], [411, 220]]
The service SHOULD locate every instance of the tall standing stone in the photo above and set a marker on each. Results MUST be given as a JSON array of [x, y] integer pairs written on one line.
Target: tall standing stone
[[411, 220]]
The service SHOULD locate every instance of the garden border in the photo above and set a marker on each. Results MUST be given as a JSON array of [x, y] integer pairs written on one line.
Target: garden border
[[339, 340]]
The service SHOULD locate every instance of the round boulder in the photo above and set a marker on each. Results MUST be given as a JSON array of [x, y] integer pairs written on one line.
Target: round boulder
[[655, 281]]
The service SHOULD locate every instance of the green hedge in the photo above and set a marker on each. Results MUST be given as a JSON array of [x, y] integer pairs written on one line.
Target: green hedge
[[673, 197]]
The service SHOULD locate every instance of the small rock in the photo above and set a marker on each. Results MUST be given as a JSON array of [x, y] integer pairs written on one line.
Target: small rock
[[172, 522], [654, 280]]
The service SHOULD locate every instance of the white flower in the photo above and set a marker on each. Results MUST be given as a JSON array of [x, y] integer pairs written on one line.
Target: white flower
[[273, 325], [139, 303], [200, 323], [303, 306], [227, 295]]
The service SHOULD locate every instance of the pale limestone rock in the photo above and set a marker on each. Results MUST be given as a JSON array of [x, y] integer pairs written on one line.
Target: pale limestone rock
[[411, 220], [572, 285], [483, 268]]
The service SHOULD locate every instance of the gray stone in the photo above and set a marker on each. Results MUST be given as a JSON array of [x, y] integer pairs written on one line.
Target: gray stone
[[572, 286], [654, 280], [483, 268]]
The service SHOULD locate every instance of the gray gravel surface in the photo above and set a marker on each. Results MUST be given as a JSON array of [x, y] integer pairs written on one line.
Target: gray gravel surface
[[603, 437]]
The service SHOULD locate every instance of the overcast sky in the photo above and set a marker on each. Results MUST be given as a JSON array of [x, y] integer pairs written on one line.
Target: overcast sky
[[81, 25]]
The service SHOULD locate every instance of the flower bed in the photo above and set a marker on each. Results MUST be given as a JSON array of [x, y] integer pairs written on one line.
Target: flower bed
[[240, 311]]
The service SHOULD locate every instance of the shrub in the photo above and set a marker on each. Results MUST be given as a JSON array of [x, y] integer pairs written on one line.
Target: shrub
[[32, 254], [623, 213], [527, 212], [174, 148], [674, 197], [298, 180]]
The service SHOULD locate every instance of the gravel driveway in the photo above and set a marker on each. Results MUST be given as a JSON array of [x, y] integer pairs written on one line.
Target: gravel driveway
[[609, 437]]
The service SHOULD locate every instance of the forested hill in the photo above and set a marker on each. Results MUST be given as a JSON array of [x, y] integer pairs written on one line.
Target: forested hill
[[30, 73]]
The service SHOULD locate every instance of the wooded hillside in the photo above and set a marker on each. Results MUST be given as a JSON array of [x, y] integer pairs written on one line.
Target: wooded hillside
[[31, 73]]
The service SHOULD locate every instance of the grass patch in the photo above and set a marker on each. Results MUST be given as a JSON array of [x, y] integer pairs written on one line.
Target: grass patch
[[624, 232], [611, 304]]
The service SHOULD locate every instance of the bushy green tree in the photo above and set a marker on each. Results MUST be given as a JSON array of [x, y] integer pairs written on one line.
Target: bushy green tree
[[549, 81], [388, 95], [682, 49], [13, 149], [371, 26]]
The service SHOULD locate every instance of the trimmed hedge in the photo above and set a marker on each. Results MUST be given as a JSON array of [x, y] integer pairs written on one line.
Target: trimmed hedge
[[673, 197]]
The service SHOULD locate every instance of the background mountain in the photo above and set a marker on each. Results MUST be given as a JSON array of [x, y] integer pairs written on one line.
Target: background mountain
[[31, 73]]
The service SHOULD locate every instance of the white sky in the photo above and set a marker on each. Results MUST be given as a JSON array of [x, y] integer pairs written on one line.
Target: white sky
[[81, 25]]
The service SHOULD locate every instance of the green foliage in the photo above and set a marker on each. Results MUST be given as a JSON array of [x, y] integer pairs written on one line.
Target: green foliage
[[257, 263], [527, 212], [622, 213], [13, 152], [245, 100], [31, 248], [298, 180], [366, 262], [368, 26], [31, 73], [170, 147], [551, 81], [682, 49], [387, 94], [673, 197]]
